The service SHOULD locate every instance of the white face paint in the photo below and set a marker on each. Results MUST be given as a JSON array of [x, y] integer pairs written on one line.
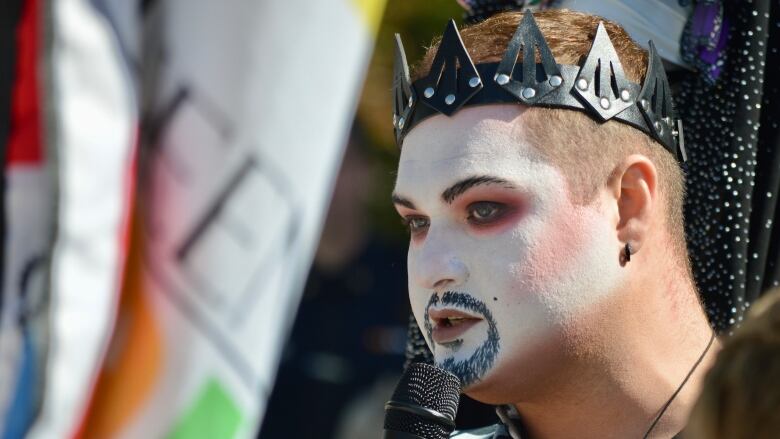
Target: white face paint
[[512, 249]]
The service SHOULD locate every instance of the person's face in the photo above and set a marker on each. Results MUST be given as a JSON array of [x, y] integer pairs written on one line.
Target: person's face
[[500, 258]]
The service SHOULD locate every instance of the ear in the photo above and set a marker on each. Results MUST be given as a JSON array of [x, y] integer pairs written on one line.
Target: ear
[[634, 186]]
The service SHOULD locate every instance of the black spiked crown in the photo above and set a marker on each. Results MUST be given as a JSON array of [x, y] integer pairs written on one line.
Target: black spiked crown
[[598, 87]]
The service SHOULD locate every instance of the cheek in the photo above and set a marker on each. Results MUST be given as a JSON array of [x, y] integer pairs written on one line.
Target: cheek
[[558, 247], [418, 297], [414, 293]]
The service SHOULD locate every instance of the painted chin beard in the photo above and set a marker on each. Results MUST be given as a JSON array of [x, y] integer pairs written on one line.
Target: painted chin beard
[[473, 368]]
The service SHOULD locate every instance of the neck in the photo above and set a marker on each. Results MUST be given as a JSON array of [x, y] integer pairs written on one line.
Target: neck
[[633, 363]]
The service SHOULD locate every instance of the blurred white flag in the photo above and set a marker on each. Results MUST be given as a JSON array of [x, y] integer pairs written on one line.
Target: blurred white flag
[[247, 106], [92, 122]]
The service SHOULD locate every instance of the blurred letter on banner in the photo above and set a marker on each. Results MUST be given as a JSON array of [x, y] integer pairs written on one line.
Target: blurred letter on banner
[[247, 106]]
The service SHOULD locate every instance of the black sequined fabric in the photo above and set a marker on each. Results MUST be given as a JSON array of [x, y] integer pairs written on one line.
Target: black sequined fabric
[[733, 172], [416, 349]]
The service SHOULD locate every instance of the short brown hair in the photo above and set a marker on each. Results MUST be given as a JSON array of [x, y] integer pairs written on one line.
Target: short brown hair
[[569, 35], [740, 396]]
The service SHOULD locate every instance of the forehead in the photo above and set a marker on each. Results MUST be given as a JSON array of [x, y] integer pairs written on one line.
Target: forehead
[[487, 140]]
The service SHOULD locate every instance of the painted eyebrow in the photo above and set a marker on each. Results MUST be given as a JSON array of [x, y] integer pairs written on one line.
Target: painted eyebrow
[[451, 193], [401, 201]]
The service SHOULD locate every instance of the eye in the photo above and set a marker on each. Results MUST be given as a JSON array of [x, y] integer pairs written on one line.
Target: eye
[[416, 224], [485, 211]]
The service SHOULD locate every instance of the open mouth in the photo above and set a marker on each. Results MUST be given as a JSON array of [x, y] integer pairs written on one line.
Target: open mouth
[[450, 324]]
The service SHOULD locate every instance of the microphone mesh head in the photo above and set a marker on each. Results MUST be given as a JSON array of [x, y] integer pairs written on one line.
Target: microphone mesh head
[[426, 386]]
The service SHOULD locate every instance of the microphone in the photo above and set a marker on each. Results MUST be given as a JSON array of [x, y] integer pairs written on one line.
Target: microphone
[[423, 405]]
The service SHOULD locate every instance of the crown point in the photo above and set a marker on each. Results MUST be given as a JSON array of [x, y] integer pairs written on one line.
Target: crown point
[[529, 40], [656, 102], [403, 104], [502, 79], [602, 70], [449, 75], [451, 26], [681, 153]]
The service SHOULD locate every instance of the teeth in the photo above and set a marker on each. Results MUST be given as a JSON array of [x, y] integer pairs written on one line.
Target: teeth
[[454, 320]]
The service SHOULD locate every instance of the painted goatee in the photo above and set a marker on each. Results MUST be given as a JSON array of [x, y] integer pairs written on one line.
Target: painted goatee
[[473, 368]]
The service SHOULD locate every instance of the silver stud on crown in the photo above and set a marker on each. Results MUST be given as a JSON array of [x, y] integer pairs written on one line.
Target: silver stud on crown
[[502, 79], [625, 95], [529, 93], [582, 84], [604, 102], [474, 82], [429, 92], [449, 99], [556, 81]]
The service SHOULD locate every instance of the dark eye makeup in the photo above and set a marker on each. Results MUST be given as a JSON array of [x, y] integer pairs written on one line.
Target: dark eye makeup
[[484, 209], [415, 224], [485, 212]]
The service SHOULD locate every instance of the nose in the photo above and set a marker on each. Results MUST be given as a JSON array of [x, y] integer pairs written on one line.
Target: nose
[[436, 265]]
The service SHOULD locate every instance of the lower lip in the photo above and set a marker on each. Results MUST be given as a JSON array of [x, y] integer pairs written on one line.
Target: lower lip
[[447, 334]]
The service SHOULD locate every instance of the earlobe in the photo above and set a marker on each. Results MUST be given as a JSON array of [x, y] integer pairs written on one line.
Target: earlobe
[[636, 189]]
